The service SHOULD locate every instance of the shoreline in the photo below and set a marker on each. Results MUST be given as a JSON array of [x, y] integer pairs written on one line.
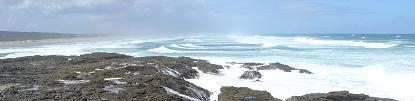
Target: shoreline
[[116, 75], [23, 43]]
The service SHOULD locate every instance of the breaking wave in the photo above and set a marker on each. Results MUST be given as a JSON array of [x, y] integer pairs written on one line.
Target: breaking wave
[[186, 46], [314, 41], [162, 49]]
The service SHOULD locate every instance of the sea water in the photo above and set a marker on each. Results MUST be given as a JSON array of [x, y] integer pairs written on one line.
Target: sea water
[[380, 65]]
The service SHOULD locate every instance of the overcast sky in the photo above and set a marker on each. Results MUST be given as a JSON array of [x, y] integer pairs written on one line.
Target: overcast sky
[[209, 16]]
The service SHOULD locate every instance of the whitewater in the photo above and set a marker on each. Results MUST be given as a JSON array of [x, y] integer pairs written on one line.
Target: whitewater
[[381, 65]]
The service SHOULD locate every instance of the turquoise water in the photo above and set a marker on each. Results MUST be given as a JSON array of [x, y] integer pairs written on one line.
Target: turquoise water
[[345, 50]]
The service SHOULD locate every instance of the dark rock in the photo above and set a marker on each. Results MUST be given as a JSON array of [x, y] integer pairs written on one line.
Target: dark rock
[[277, 65], [270, 66], [336, 96], [283, 67], [207, 67], [251, 75], [102, 76], [305, 71], [180, 62], [244, 94], [95, 57], [250, 65]]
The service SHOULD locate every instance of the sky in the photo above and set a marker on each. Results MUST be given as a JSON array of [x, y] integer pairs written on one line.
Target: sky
[[162, 17]]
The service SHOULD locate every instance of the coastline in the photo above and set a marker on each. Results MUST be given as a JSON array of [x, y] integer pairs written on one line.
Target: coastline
[[356, 79], [23, 43], [111, 76]]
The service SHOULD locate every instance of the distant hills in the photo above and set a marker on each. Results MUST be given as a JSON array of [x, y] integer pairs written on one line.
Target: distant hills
[[22, 36]]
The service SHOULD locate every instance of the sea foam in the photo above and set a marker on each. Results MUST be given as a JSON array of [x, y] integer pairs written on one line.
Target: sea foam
[[162, 49], [314, 41]]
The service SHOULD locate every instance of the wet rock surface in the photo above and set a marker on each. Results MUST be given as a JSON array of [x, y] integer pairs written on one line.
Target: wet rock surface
[[251, 75], [244, 94], [336, 96], [110, 76], [102, 76], [270, 66]]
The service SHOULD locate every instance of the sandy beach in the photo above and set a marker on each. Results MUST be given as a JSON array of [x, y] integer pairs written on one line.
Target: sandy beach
[[22, 43]]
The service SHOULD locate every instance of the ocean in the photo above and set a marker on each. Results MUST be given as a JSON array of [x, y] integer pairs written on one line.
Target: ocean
[[380, 65]]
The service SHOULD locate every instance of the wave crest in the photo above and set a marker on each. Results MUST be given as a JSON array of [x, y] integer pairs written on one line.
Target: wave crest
[[314, 41], [162, 49]]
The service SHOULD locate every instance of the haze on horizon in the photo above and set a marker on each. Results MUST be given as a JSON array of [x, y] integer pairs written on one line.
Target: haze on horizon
[[163, 17]]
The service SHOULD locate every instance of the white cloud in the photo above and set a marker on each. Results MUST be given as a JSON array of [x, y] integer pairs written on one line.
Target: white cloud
[[49, 6]]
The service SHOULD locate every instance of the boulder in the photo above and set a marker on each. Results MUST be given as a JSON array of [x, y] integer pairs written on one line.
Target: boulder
[[250, 75], [251, 65], [276, 65], [244, 94], [305, 71], [283, 67], [336, 96]]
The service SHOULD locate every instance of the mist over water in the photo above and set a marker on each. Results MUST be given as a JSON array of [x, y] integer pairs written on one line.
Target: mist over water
[[376, 64]]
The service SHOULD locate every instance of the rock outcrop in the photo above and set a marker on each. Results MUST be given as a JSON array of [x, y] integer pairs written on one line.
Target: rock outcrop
[[251, 65], [270, 66], [336, 96], [283, 67], [110, 76], [102, 76], [251, 75], [244, 94]]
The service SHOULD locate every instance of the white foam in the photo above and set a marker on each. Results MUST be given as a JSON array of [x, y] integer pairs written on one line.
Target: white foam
[[381, 81], [181, 95], [186, 46], [75, 49], [371, 80], [190, 45], [192, 40], [177, 46], [169, 71], [111, 79], [265, 41], [373, 45], [271, 41], [162, 49], [314, 41], [321, 42], [69, 82]]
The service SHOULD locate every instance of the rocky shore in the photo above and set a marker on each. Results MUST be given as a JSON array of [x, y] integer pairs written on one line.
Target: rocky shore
[[102, 76], [111, 76], [246, 94]]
